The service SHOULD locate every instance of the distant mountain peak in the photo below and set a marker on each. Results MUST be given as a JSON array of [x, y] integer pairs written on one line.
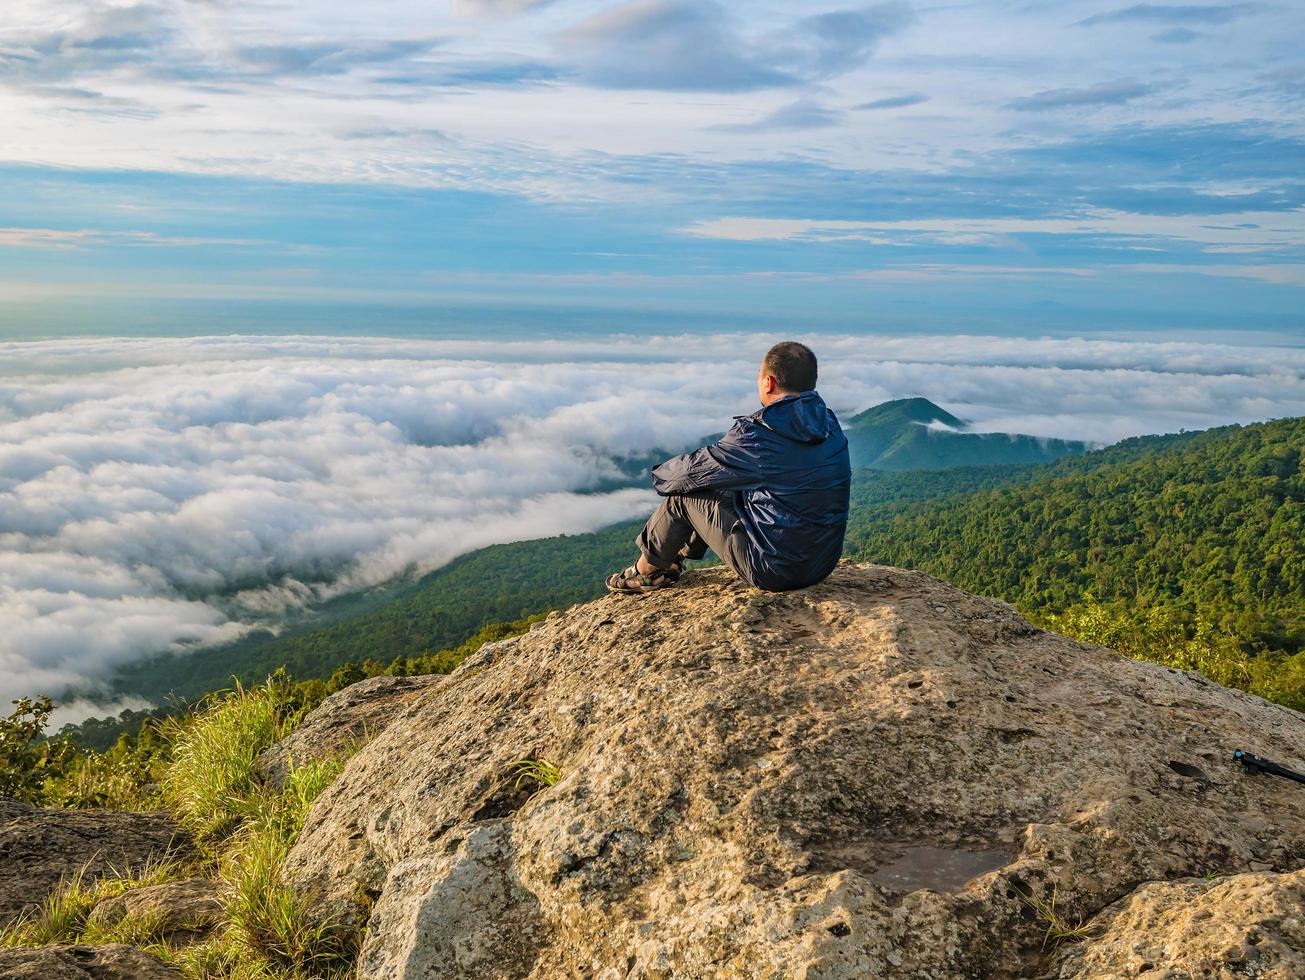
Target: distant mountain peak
[[917, 409], [916, 434]]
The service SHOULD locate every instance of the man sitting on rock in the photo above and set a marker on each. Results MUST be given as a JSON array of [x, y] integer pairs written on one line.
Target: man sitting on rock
[[770, 499]]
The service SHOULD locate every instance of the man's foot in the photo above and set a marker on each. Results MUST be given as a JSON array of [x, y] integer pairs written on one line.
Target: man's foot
[[675, 571], [632, 581]]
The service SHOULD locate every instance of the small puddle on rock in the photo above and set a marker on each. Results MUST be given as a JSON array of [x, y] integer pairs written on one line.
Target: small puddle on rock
[[911, 867]]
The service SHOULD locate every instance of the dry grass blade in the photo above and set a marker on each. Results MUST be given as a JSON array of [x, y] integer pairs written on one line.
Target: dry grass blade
[[1059, 928]]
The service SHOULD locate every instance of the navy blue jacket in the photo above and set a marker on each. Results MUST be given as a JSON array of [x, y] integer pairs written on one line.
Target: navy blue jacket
[[788, 468]]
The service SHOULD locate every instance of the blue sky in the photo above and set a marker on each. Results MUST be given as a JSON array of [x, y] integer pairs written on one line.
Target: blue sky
[[1038, 166]]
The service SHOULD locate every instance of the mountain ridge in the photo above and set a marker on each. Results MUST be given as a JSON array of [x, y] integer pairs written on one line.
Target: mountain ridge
[[917, 434], [915, 409]]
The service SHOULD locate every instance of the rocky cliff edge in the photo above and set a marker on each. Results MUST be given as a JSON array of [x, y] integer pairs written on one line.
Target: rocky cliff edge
[[880, 776]]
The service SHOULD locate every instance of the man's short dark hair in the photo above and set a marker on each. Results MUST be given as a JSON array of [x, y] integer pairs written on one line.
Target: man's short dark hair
[[792, 365]]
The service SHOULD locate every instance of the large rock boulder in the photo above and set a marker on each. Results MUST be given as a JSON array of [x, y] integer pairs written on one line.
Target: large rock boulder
[[344, 721], [880, 776], [1247, 925], [114, 962], [41, 848]]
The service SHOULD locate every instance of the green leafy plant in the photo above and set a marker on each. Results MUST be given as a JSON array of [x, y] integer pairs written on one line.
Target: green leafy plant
[[125, 776], [27, 759]]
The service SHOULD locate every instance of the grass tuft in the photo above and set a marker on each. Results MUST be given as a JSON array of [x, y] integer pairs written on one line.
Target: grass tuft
[[268, 919], [62, 917], [213, 779], [142, 930], [541, 771], [1059, 928]]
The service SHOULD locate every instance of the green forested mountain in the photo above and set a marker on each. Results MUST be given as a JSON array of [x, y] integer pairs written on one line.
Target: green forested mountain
[[1218, 527], [901, 435], [1205, 538]]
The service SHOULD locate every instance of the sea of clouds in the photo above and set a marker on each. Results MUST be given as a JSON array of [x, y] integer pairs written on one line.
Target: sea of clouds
[[158, 494]]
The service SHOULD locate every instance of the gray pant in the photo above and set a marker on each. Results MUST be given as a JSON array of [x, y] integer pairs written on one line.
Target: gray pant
[[686, 525]]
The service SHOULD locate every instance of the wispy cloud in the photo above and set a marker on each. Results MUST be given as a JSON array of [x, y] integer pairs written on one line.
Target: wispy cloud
[[803, 114], [484, 8], [328, 57], [893, 102], [830, 44], [1283, 273], [1174, 14], [678, 45], [938, 271], [1235, 229], [68, 239], [674, 45], [515, 72], [1104, 93], [99, 37]]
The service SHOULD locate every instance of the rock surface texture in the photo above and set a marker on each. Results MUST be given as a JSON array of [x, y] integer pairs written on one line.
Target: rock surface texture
[[343, 721], [83, 963], [1246, 925], [39, 848], [880, 776], [181, 911]]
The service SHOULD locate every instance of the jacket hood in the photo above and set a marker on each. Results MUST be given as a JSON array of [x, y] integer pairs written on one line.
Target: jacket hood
[[802, 418]]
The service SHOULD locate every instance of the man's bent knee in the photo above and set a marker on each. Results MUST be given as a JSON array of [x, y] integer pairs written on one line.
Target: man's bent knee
[[674, 502]]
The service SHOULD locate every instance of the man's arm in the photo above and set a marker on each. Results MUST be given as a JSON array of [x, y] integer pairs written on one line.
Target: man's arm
[[733, 463]]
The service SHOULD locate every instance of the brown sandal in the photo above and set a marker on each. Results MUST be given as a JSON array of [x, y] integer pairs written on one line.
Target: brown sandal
[[661, 578]]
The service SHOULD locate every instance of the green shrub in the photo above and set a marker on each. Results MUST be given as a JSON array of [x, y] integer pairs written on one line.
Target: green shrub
[[1161, 634], [27, 759], [125, 777], [1280, 679]]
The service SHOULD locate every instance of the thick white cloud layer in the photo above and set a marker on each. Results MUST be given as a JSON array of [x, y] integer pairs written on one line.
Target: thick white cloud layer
[[157, 494]]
